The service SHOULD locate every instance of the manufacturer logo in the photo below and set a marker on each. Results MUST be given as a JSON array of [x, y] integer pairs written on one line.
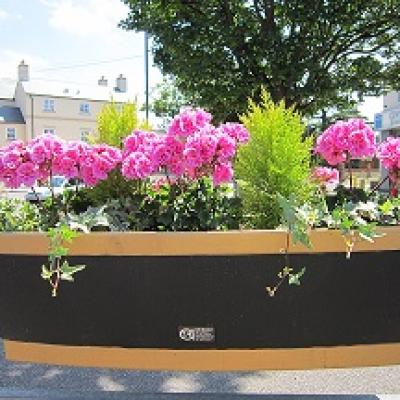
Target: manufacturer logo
[[196, 334]]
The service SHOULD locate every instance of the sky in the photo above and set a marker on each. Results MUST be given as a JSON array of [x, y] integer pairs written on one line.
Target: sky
[[58, 38]]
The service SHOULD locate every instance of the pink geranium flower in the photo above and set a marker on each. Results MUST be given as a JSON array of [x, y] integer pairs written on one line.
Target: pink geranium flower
[[223, 173], [389, 155], [327, 178], [188, 121], [27, 173], [345, 140]]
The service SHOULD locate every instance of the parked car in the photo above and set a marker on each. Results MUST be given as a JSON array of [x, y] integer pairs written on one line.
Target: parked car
[[59, 184]]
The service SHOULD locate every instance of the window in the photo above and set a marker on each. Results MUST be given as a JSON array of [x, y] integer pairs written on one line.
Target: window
[[49, 131], [84, 108], [85, 133], [11, 133], [48, 105]]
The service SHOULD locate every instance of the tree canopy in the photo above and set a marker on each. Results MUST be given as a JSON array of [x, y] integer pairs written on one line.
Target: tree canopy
[[311, 54], [168, 100]]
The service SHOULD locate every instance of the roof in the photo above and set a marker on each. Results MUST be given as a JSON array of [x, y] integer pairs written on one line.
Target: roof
[[7, 88], [11, 115], [74, 91]]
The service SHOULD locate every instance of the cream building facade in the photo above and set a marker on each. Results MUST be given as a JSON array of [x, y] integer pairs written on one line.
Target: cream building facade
[[66, 110], [12, 124]]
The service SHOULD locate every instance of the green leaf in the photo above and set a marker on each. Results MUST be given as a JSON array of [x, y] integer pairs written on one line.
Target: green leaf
[[386, 208], [67, 234], [368, 232], [70, 270], [67, 277], [294, 279], [46, 273]]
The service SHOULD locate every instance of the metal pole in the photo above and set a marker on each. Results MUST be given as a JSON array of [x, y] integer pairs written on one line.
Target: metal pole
[[146, 68]]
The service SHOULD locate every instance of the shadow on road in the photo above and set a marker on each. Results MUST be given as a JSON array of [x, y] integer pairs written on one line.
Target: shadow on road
[[344, 381]]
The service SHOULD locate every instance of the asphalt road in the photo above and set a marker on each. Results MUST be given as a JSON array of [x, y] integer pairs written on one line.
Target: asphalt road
[[382, 380]]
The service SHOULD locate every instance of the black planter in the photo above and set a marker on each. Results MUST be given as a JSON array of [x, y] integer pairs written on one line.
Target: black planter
[[204, 293]]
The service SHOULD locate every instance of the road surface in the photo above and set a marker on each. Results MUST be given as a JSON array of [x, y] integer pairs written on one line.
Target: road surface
[[382, 380]]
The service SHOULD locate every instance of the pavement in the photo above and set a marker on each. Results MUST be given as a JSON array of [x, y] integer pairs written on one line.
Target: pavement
[[15, 395], [36, 378]]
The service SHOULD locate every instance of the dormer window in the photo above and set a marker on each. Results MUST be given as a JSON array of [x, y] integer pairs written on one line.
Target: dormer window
[[84, 108], [48, 105]]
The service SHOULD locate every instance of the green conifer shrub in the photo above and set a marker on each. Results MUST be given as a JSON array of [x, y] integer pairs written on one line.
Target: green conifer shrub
[[276, 160]]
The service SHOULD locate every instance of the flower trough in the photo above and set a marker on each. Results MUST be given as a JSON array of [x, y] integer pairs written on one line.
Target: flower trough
[[197, 301]]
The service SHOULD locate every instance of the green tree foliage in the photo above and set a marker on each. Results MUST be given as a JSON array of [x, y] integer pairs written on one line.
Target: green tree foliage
[[115, 122], [276, 160], [168, 100], [342, 111], [312, 54]]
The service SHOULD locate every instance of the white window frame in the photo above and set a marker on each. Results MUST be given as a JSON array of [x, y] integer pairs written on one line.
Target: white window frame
[[84, 108], [11, 137], [49, 131], [85, 133], [49, 105]]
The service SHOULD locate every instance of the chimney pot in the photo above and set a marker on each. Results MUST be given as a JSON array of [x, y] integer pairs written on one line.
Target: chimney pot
[[103, 81], [23, 72], [121, 84]]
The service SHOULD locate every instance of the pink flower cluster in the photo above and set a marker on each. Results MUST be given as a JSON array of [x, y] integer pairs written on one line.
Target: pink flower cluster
[[188, 121], [344, 140], [91, 164], [327, 178], [192, 148], [389, 153], [141, 156], [22, 164], [16, 166]]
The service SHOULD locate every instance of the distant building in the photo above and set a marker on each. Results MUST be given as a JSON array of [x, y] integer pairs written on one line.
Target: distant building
[[66, 110], [391, 115], [390, 123]]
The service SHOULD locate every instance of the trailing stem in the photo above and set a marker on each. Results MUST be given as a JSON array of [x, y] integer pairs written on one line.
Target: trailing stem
[[56, 276], [286, 272], [350, 172], [58, 269]]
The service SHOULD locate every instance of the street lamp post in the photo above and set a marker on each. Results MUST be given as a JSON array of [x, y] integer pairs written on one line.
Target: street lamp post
[[146, 68]]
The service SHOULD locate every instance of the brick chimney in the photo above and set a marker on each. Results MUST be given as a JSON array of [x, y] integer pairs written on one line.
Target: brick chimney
[[23, 72]]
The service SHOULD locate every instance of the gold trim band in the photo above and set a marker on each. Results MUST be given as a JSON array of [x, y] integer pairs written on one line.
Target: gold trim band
[[193, 243], [205, 360]]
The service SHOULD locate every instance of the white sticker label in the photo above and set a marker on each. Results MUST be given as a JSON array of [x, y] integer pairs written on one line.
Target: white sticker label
[[196, 334]]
